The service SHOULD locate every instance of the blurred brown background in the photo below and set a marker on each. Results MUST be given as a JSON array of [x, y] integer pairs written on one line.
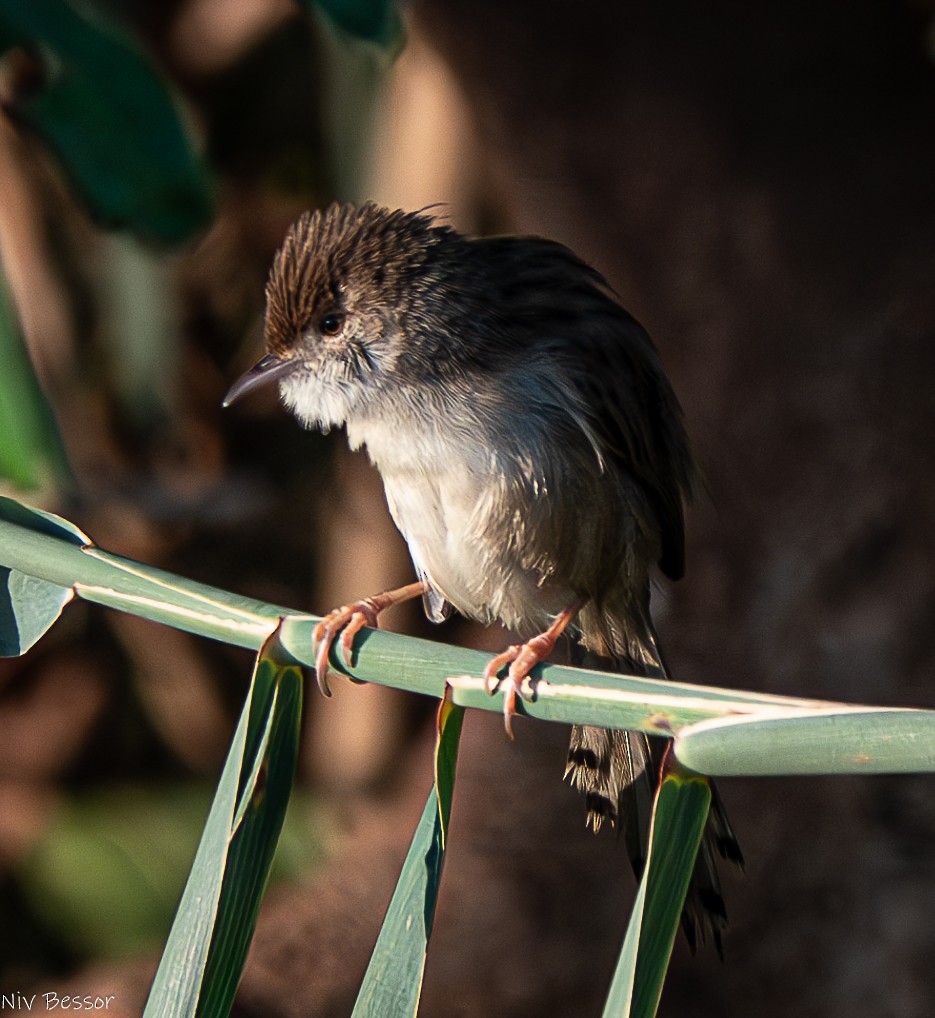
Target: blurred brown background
[[756, 181]]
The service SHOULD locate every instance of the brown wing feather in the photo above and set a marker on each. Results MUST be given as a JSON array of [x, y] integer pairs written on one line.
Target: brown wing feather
[[636, 416], [610, 363]]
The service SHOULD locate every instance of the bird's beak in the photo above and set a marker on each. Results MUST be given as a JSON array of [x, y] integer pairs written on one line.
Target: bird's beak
[[267, 369]]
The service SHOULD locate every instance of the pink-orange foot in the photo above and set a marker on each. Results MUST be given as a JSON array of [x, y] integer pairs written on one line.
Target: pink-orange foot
[[348, 620], [522, 658]]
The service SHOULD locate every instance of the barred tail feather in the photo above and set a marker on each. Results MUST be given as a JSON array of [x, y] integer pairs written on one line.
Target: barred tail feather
[[618, 772]]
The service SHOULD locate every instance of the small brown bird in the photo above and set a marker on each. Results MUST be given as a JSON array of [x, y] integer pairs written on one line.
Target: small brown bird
[[531, 447]]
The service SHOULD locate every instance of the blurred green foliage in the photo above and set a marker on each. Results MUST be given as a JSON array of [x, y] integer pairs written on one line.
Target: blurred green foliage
[[374, 20], [106, 874], [111, 120], [31, 450]]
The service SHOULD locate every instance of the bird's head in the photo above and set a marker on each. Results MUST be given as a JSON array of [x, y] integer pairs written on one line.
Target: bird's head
[[341, 300]]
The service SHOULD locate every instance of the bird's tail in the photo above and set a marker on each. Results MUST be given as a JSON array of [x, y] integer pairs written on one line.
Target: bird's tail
[[619, 772]]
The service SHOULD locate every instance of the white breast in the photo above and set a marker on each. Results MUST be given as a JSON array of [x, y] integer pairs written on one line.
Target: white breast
[[447, 495]]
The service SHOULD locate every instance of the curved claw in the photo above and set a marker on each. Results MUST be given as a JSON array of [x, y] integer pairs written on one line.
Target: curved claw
[[321, 660], [350, 618], [491, 677], [322, 638], [510, 693], [522, 658]]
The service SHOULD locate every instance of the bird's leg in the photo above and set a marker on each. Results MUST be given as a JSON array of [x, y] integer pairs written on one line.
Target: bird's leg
[[351, 618], [522, 658]]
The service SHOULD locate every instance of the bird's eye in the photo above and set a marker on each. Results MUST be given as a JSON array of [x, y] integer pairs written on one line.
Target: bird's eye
[[332, 324]]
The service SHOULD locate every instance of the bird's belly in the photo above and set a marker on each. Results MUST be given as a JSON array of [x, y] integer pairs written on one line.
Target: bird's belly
[[462, 541]]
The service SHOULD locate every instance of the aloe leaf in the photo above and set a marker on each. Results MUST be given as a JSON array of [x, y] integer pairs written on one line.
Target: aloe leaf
[[38, 521], [28, 609], [679, 815], [620, 995], [207, 946], [713, 727], [50, 549], [30, 605], [823, 740], [393, 982]]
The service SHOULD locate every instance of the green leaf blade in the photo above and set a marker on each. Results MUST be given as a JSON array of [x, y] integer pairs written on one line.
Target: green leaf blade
[[715, 729], [30, 605], [48, 548], [679, 816], [822, 741], [620, 995], [207, 946], [258, 823], [28, 609], [393, 982], [38, 521]]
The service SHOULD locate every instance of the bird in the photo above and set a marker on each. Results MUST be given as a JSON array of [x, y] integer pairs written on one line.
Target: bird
[[533, 454]]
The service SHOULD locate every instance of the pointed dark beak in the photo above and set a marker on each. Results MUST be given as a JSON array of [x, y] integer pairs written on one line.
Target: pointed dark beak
[[266, 370]]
